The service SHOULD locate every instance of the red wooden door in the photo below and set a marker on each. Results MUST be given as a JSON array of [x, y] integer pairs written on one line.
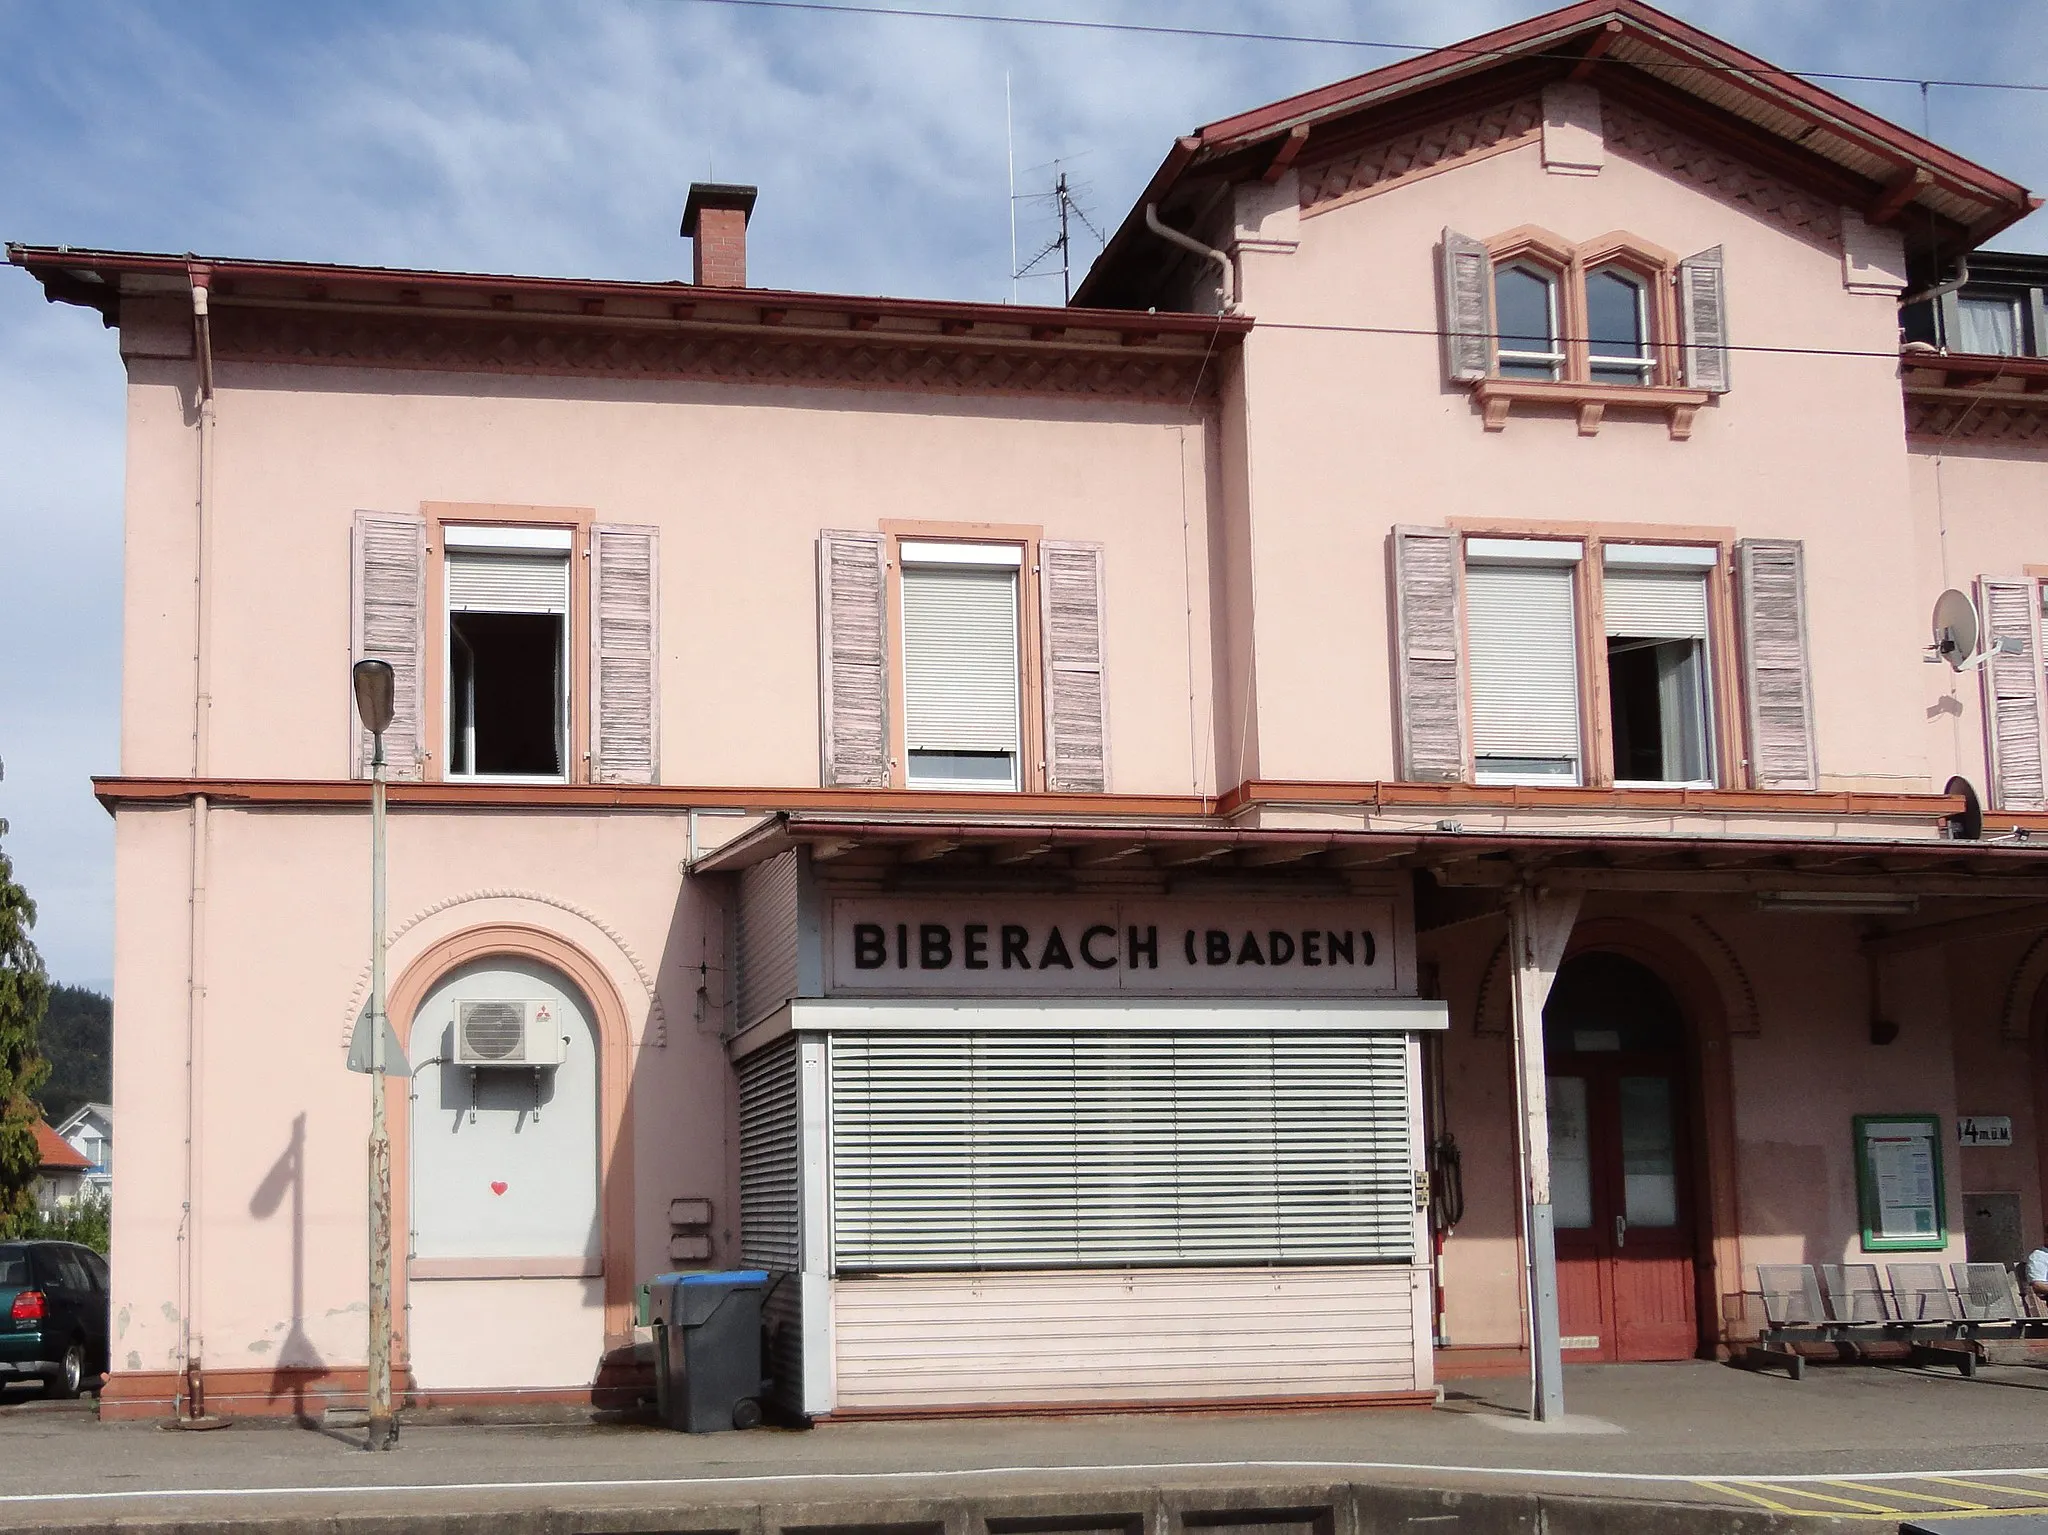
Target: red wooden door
[[1619, 1198]]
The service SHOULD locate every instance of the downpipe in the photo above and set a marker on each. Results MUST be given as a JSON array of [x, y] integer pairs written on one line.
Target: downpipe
[[1230, 284]]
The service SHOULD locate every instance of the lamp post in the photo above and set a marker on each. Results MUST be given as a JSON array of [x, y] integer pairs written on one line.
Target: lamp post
[[374, 690]]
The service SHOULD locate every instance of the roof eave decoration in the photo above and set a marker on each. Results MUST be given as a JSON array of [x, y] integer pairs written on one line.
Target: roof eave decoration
[[1631, 49]]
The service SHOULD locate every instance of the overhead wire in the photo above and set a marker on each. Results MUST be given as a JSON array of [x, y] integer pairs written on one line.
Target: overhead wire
[[1154, 29]]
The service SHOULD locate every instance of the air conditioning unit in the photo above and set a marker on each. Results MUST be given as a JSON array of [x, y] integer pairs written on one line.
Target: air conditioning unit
[[524, 1033]]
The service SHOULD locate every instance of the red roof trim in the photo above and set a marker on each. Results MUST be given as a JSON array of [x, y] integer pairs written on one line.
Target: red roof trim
[[52, 263]]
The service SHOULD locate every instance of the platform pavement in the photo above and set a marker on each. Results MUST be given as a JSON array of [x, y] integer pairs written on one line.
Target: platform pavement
[[1708, 1447]]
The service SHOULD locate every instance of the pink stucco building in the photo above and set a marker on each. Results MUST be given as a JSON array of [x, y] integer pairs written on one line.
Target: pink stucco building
[[1166, 851]]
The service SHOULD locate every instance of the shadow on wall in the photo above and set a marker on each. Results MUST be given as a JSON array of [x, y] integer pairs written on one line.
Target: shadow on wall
[[296, 1356]]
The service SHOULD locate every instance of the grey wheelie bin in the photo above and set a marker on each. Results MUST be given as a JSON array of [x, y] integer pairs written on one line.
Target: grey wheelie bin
[[707, 1349]]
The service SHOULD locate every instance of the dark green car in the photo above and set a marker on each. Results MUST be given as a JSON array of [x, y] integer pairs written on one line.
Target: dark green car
[[53, 1314]]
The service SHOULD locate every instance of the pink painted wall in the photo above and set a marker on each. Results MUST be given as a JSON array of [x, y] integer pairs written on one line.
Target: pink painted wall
[[739, 480], [1350, 434]]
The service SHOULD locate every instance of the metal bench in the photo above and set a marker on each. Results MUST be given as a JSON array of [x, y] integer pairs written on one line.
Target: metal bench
[[1856, 1318]]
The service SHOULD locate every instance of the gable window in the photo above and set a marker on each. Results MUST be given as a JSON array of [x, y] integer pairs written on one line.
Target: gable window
[[1655, 596], [1525, 305], [1521, 626], [1618, 327], [962, 714], [507, 647]]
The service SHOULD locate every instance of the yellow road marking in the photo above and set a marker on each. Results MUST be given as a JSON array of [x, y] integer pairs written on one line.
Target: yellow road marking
[[1822, 1497], [1904, 1492], [1744, 1492], [1958, 1481]]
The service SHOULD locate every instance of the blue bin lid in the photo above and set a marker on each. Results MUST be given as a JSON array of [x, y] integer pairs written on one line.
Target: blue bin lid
[[730, 1277]]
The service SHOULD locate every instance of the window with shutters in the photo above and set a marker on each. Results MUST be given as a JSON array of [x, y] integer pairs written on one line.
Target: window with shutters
[[507, 598], [961, 634], [1532, 318], [1591, 660]]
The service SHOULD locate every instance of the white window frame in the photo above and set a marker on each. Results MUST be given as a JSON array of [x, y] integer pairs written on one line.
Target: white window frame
[[1644, 363], [468, 539], [1565, 554], [1703, 558], [1552, 281], [930, 553]]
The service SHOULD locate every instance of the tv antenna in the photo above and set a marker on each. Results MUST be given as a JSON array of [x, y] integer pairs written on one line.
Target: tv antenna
[[1065, 198]]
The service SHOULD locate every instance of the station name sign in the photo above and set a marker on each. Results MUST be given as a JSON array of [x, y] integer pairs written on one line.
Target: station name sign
[[1056, 946]]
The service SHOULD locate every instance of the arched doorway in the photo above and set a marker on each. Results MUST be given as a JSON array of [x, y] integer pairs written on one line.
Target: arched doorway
[[504, 1191], [1615, 1054]]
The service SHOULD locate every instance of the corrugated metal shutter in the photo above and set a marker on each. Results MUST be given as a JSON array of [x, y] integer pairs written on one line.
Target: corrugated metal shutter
[[960, 658], [770, 1157], [387, 622], [2012, 693], [625, 589], [1522, 640], [767, 937], [1656, 604], [497, 582], [853, 668], [1431, 682], [1076, 694], [1773, 590], [955, 1151]]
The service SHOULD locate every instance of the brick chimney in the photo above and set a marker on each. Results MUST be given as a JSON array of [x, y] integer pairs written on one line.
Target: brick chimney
[[715, 223]]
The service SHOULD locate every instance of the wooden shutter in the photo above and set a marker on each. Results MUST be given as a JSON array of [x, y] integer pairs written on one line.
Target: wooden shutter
[[387, 622], [1468, 307], [853, 664], [1428, 643], [1703, 321], [1772, 575], [1076, 691], [625, 627], [2012, 693], [1058, 1150]]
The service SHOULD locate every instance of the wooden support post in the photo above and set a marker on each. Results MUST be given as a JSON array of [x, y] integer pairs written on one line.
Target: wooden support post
[[1539, 925]]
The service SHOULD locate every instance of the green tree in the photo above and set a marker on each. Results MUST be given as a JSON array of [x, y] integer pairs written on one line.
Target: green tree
[[24, 994]]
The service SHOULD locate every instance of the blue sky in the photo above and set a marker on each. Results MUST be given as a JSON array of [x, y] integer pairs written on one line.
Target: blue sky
[[560, 136]]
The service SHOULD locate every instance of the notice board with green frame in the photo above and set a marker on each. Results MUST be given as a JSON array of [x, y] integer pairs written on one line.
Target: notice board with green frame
[[1899, 1182]]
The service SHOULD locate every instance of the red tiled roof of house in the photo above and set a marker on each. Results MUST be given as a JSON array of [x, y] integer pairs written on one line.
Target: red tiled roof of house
[[56, 1153]]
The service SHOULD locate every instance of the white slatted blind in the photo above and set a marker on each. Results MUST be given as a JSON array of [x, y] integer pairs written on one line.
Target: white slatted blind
[[1656, 604], [954, 1151], [770, 1204], [495, 582], [1522, 644], [960, 658], [625, 629]]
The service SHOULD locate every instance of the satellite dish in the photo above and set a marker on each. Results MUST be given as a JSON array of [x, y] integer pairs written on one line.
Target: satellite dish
[[1967, 824], [1955, 628]]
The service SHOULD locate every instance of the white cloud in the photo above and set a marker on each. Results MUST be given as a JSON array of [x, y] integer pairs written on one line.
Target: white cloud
[[539, 135]]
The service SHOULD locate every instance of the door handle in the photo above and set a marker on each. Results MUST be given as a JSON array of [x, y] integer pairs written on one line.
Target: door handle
[[1621, 1231]]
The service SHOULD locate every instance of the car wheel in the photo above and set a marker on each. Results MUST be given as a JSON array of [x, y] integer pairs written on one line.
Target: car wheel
[[70, 1374]]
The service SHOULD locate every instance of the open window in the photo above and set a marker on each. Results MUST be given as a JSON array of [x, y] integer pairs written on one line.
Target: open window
[[1660, 714], [962, 705], [507, 647]]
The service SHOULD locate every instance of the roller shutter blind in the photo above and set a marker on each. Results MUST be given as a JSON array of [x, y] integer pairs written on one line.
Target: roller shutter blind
[[1656, 604], [1522, 643], [494, 582], [770, 1200], [961, 1151], [960, 658]]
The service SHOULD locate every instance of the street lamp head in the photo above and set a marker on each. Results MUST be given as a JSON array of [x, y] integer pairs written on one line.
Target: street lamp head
[[375, 689]]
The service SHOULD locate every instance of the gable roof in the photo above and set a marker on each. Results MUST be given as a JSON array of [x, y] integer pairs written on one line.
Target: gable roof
[[54, 1154], [103, 1112], [1942, 204]]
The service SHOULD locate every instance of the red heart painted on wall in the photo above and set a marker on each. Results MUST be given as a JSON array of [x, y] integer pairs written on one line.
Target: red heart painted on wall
[[499, 1188]]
